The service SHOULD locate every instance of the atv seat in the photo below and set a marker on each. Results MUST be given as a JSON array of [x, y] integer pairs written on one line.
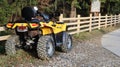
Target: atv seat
[[58, 22], [35, 21]]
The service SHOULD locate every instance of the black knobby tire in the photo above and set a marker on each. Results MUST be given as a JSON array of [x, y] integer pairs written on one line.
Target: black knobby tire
[[67, 42], [10, 45], [45, 47]]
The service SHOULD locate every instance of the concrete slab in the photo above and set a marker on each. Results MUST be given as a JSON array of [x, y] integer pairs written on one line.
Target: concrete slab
[[111, 41]]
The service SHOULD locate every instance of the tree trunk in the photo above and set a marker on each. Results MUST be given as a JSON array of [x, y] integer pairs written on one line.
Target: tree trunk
[[73, 10]]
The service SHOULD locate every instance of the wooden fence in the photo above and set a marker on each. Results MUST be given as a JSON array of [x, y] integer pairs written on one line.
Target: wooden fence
[[3, 37], [81, 24]]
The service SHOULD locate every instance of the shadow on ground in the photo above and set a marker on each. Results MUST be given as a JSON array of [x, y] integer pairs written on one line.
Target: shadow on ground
[[2, 47]]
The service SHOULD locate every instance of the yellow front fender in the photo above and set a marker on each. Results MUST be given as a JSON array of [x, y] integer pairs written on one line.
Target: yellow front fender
[[48, 28]]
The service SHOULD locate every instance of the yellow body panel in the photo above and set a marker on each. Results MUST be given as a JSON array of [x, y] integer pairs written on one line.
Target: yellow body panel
[[46, 31], [47, 28], [19, 24], [57, 28]]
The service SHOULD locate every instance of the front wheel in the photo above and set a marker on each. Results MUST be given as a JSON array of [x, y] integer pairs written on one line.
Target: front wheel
[[45, 47], [66, 42]]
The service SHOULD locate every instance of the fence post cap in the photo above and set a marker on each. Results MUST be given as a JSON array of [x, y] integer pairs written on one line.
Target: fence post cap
[[78, 15]]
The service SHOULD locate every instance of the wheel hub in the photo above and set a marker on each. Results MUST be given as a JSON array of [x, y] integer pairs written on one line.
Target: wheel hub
[[49, 48]]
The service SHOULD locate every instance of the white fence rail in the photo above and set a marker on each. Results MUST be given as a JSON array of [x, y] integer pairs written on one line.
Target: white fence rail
[[81, 24]]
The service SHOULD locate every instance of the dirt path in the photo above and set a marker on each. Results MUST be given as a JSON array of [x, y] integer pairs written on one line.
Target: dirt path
[[83, 54]]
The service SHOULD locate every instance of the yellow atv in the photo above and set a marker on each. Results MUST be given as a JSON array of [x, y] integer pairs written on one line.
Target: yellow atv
[[44, 36]]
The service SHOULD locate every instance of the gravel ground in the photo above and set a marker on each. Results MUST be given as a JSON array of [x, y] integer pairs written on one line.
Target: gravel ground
[[84, 54]]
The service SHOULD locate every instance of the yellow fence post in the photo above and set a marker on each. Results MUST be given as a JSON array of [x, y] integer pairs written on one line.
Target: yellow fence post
[[115, 20], [119, 18], [61, 18], [90, 24], [78, 24], [106, 19], [111, 20], [99, 22]]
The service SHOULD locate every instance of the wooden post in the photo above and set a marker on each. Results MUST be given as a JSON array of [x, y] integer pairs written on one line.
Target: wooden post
[[90, 25], [115, 20], [78, 24], [111, 20], [106, 19], [119, 18], [61, 18], [2, 38], [99, 22], [2, 28]]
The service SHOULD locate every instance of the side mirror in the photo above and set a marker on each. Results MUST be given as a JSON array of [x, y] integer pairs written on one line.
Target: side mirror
[[45, 16], [57, 14]]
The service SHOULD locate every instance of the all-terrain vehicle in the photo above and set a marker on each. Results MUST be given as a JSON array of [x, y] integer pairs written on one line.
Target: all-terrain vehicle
[[44, 36]]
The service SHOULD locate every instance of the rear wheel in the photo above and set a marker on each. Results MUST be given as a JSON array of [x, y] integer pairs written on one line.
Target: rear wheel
[[10, 45], [67, 42], [45, 47]]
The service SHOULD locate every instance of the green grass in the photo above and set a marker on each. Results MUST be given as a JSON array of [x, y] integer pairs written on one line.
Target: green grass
[[23, 57], [87, 35], [95, 33]]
